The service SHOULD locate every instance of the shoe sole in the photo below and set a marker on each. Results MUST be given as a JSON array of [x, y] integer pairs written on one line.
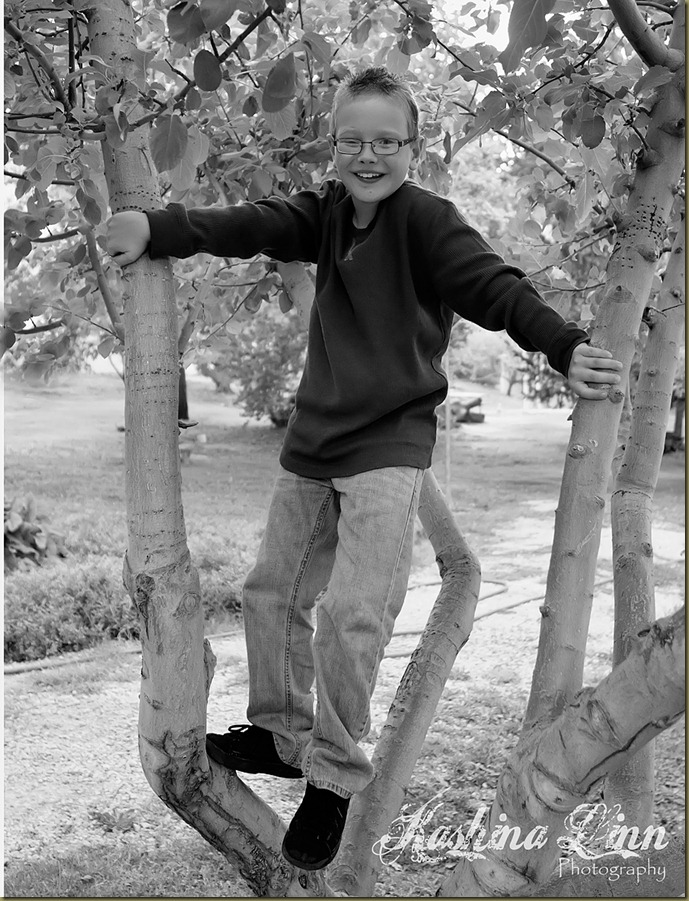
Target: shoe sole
[[319, 865], [243, 765]]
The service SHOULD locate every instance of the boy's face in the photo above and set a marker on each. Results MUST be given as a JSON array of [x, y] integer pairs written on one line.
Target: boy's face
[[370, 178]]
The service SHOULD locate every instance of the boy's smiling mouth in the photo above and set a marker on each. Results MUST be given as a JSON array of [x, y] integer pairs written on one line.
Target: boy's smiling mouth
[[369, 176]]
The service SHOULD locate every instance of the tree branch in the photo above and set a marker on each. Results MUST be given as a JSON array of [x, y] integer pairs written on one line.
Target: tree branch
[[651, 48], [43, 61], [98, 136], [48, 327], [72, 89], [538, 153], [105, 291], [61, 237], [22, 177]]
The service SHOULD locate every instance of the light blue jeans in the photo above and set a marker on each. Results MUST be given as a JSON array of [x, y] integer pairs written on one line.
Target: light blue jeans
[[343, 546]]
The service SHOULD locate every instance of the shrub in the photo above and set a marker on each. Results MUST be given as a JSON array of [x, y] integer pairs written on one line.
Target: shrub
[[263, 362], [55, 609], [25, 538]]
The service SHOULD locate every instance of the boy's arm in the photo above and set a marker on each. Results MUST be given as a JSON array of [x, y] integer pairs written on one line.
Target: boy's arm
[[477, 283], [285, 229]]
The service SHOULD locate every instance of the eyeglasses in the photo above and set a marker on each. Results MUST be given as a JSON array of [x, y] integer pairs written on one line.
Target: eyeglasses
[[381, 146]]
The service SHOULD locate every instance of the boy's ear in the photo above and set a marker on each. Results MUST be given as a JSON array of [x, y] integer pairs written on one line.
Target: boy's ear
[[331, 144], [418, 150]]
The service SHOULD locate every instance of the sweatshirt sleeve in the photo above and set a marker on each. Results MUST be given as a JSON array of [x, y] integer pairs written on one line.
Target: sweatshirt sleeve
[[284, 229], [475, 282]]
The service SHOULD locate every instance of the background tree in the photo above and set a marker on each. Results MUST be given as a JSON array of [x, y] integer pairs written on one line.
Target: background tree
[[224, 100]]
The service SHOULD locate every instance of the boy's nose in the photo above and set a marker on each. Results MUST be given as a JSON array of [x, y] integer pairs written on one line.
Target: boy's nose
[[366, 153]]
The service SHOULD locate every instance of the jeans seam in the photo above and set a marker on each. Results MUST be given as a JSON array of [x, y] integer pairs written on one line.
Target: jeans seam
[[409, 520], [289, 714]]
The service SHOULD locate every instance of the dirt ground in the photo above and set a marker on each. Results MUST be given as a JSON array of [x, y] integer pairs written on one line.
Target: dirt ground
[[505, 477]]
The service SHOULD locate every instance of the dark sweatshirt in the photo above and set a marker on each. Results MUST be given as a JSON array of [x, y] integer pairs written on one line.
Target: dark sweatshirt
[[381, 319]]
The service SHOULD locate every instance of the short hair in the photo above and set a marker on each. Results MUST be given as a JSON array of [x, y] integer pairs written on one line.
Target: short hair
[[377, 80]]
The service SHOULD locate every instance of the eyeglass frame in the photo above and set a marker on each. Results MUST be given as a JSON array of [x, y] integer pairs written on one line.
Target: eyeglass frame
[[400, 145]]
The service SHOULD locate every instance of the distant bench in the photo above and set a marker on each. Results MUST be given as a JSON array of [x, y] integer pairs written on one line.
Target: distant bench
[[463, 408]]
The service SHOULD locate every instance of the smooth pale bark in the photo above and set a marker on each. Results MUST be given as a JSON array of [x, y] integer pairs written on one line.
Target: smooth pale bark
[[645, 41], [177, 666], [641, 232], [398, 748], [632, 786], [559, 766]]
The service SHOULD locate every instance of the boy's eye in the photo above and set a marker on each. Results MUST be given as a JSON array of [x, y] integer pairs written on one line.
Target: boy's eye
[[385, 142]]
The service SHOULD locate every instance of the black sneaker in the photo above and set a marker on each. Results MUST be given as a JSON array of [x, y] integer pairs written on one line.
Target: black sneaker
[[249, 749], [315, 833]]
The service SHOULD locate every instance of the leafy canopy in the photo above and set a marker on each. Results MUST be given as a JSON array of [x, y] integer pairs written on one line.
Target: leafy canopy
[[235, 97]]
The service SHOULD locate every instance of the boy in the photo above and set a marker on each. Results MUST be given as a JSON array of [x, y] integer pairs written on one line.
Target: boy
[[395, 262]]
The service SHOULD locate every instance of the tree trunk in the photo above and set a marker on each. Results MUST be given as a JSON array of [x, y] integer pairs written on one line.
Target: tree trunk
[[410, 715], [632, 786], [556, 767], [177, 665], [641, 231]]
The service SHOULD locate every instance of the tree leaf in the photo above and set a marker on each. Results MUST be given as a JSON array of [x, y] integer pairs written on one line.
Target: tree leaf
[[207, 71], [17, 319], [193, 100], [283, 123], [252, 303], [318, 46], [527, 28], [106, 346], [281, 85], [361, 32], [216, 12], [261, 185], [284, 302], [17, 251], [89, 207], [168, 142], [317, 151], [654, 78], [8, 338], [116, 137], [484, 76], [250, 107], [397, 61], [185, 25], [592, 128], [183, 174]]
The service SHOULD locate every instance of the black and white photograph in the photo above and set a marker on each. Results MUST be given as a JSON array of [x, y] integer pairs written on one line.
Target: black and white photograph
[[344, 432]]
